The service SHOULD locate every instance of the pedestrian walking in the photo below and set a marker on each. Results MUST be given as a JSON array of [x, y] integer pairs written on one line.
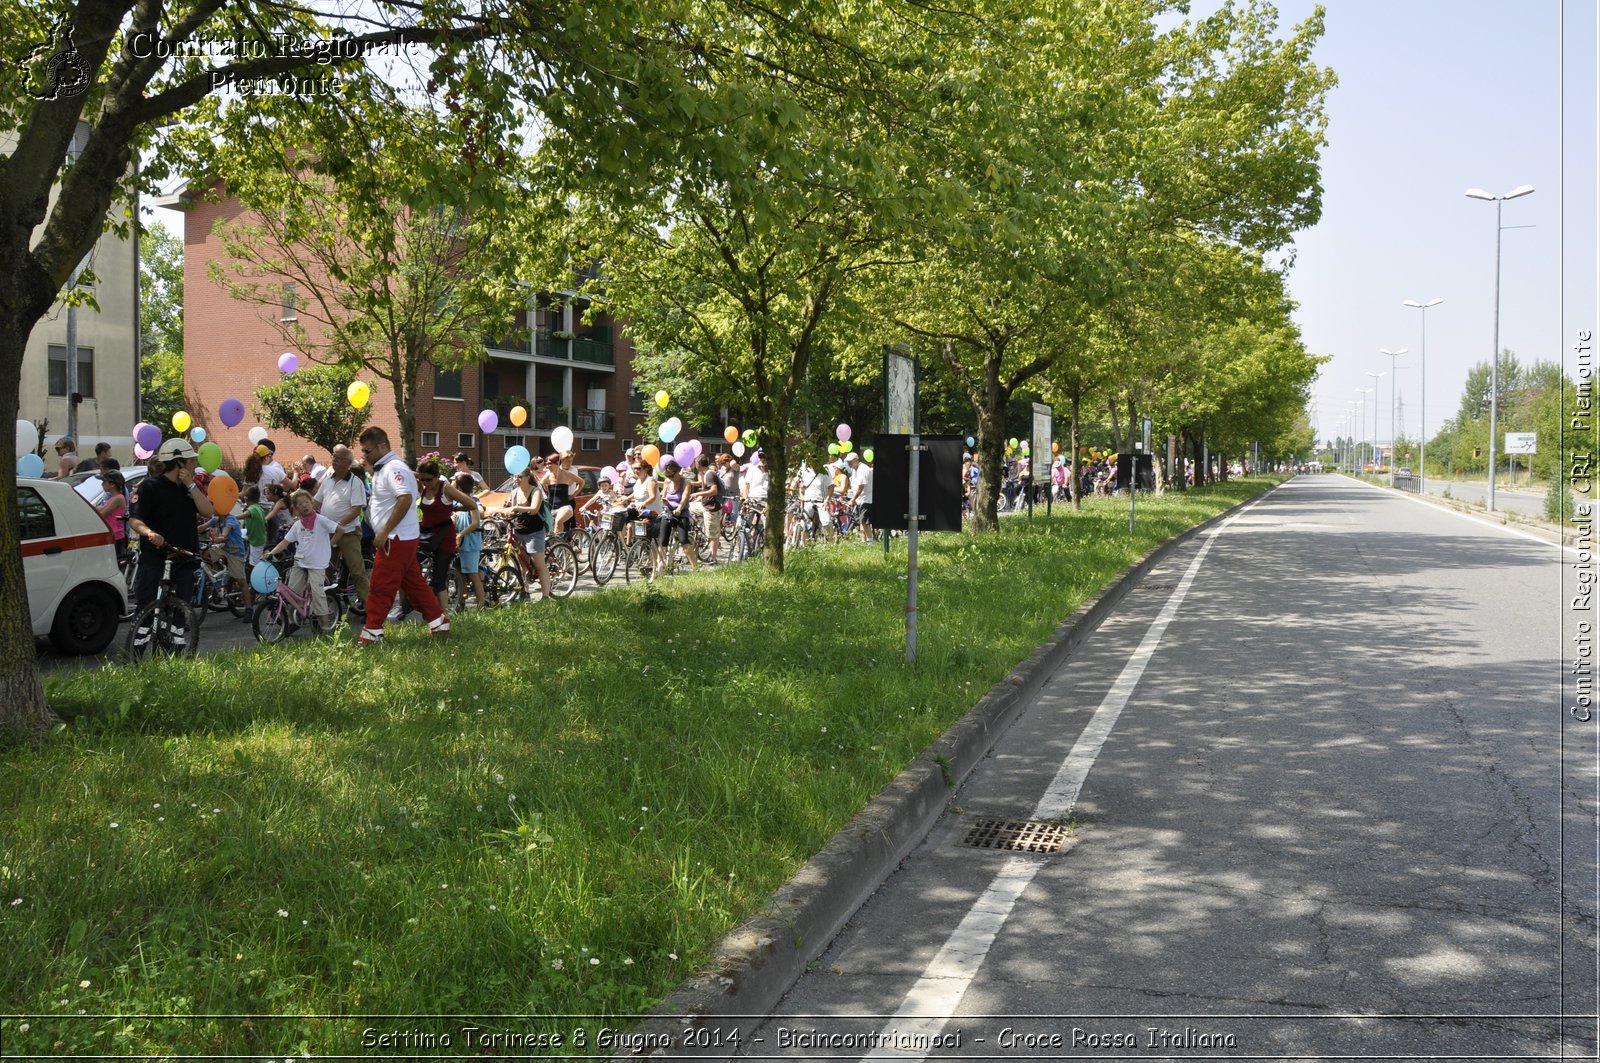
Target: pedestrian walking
[[391, 510]]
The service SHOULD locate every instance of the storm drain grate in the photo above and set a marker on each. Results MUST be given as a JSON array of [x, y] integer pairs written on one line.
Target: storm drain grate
[[1016, 835]]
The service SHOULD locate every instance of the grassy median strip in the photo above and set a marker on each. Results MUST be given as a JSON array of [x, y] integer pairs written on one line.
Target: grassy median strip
[[559, 810]]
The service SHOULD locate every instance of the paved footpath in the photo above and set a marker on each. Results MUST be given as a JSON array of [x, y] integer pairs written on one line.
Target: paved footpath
[[1325, 802]]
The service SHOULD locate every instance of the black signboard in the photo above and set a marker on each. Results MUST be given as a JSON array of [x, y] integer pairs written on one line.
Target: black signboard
[[1147, 472], [939, 482]]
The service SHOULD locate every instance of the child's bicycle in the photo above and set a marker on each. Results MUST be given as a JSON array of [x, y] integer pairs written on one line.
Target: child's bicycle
[[277, 615]]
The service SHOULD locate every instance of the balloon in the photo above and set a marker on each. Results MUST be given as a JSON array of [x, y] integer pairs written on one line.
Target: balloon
[[210, 457], [669, 429], [842, 433], [1012, 442], [971, 442], [257, 434], [662, 398], [866, 455], [1055, 448], [517, 459], [833, 448], [264, 577], [261, 450], [141, 453], [650, 453], [288, 362], [731, 434], [181, 422], [359, 393], [30, 465], [231, 411], [696, 446], [749, 438], [683, 454], [609, 475], [561, 438], [1026, 446], [519, 416], [148, 436], [488, 421], [28, 436], [223, 491], [738, 450], [197, 434]]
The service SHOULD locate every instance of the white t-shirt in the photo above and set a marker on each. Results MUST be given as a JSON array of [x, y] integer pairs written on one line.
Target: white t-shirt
[[338, 497], [271, 473], [312, 550], [641, 490], [390, 480], [753, 482], [814, 484], [318, 470], [861, 476]]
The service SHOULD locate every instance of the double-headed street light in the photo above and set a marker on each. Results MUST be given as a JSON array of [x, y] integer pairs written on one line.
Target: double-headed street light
[[1494, 360], [1394, 435], [1422, 462]]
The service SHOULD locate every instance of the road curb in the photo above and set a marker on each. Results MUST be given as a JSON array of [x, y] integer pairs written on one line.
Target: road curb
[[756, 963]]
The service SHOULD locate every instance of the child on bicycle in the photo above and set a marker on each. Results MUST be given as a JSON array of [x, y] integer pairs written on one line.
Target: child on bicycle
[[312, 535]]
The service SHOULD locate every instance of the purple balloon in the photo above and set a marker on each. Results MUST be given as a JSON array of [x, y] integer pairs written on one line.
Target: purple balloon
[[683, 454], [147, 436], [488, 421], [288, 362], [231, 412]]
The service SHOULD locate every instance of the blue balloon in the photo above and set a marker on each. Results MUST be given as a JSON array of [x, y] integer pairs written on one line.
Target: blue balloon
[[517, 459], [971, 442], [197, 434], [264, 577], [30, 465]]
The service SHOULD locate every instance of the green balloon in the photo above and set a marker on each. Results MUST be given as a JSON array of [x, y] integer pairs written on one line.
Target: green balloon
[[749, 437], [833, 448], [866, 455], [210, 457], [1012, 442], [846, 447]]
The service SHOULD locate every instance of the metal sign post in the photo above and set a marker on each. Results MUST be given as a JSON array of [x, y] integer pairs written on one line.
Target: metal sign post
[[900, 418], [913, 520], [1043, 429]]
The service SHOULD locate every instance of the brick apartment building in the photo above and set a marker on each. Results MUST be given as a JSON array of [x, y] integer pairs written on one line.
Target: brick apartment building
[[564, 372]]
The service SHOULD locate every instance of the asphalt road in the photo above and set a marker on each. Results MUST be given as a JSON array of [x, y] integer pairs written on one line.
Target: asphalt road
[[1341, 813], [1527, 503]]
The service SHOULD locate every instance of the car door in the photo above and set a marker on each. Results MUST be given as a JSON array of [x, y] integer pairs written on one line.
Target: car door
[[44, 567]]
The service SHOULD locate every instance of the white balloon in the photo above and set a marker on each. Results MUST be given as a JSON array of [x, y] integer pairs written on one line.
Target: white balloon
[[257, 434], [561, 438], [738, 450], [27, 437]]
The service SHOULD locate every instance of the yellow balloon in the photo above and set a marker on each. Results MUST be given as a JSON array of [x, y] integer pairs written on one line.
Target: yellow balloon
[[519, 415], [181, 422], [359, 393], [662, 398]]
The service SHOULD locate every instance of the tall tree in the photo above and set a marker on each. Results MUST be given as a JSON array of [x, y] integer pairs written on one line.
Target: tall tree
[[161, 324], [312, 404]]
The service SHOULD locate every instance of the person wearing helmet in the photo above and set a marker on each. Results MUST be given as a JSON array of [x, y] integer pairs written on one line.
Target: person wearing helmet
[[169, 510]]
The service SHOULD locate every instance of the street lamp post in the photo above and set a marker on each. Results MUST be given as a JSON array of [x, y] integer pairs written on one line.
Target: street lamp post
[[1373, 390], [1394, 435], [1361, 407], [1422, 462], [1494, 360]]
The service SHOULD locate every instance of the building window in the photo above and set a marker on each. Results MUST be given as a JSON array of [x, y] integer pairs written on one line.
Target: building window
[[430, 440], [290, 311], [58, 371], [516, 441], [466, 441], [588, 443], [446, 383], [37, 520], [627, 445]]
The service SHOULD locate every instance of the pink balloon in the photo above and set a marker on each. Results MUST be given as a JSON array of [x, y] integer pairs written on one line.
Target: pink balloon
[[141, 453], [843, 432]]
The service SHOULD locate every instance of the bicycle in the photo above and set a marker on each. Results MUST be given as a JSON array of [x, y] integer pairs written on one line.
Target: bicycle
[[276, 616], [605, 549], [166, 626], [215, 591], [751, 535]]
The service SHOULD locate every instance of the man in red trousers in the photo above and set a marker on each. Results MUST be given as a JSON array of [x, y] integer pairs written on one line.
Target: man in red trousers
[[392, 512]]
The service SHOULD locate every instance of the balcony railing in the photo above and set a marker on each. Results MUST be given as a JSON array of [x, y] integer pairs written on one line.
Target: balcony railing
[[582, 421], [592, 351]]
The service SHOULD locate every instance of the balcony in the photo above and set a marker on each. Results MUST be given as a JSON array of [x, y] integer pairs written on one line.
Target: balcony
[[581, 421], [593, 351], [590, 350]]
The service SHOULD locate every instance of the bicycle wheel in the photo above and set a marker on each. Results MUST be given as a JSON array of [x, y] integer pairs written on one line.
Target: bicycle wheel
[[503, 584], [562, 561], [700, 542], [271, 621], [639, 561], [604, 562], [165, 627]]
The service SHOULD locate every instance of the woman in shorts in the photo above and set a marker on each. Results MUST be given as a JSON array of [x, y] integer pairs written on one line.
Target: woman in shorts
[[524, 504]]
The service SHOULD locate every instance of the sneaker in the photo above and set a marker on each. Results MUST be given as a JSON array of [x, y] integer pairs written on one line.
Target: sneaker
[[394, 612], [369, 637], [439, 626]]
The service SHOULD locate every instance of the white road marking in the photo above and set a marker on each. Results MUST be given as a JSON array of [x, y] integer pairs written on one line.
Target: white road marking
[[1468, 516], [933, 999]]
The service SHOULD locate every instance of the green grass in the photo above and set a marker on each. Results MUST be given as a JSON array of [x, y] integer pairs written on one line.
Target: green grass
[[559, 810]]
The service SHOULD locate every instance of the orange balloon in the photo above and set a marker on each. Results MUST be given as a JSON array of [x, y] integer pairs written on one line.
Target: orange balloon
[[650, 453], [223, 492], [731, 434]]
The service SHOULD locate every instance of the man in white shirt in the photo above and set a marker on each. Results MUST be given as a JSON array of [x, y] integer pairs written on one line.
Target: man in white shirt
[[310, 466], [754, 481], [860, 492], [392, 512], [815, 486], [341, 496]]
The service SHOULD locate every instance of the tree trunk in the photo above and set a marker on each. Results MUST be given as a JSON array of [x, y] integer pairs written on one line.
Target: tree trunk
[[1116, 426], [991, 447], [777, 454], [1077, 472], [1199, 452], [24, 715], [405, 410]]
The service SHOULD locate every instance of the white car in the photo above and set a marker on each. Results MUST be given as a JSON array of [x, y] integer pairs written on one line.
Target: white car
[[76, 594]]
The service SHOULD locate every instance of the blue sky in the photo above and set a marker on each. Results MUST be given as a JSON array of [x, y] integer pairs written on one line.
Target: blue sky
[[1435, 98]]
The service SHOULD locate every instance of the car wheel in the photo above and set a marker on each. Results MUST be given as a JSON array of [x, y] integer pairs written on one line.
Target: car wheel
[[87, 620]]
